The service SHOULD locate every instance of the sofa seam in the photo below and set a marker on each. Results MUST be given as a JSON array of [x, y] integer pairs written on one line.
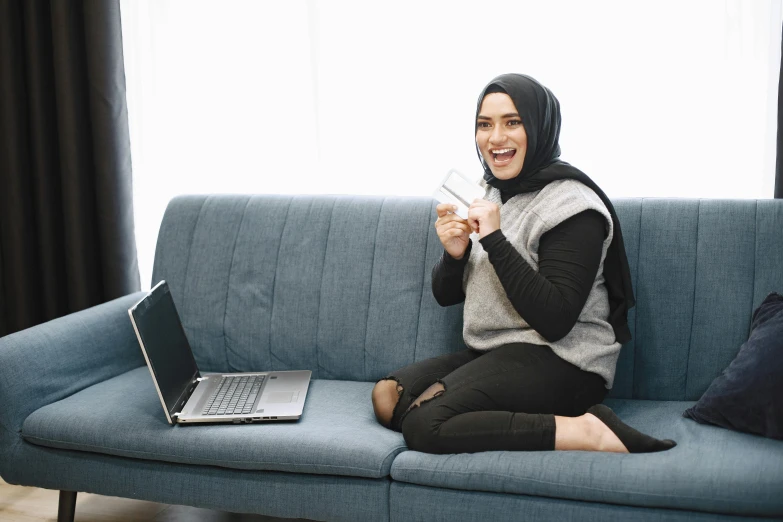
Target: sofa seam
[[321, 290], [228, 286], [693, 312], [391, 455], [369, 290], [31, 438], [190, 252], [755, 259], [274, 281], [14, 433], [636, 301], [421, 285]]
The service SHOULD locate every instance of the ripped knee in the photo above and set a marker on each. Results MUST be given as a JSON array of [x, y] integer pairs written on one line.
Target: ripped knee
[[385, 396], [419, 427], [435, 390]]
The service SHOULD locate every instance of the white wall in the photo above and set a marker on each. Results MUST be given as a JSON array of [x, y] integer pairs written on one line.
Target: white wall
[[664, 98]]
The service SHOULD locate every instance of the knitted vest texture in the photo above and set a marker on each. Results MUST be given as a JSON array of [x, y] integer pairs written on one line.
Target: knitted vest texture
[[490, 320]]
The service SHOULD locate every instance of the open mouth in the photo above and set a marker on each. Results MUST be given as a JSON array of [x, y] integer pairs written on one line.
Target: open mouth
[[502, 156]]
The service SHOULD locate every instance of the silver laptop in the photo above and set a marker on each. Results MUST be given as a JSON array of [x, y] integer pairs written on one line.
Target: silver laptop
[[190, 397]]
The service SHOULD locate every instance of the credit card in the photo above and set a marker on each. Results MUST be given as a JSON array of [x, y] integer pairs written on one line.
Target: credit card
[[458, 190]]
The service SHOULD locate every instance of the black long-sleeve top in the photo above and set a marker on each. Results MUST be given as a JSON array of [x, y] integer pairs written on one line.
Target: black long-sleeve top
[[549, 300]]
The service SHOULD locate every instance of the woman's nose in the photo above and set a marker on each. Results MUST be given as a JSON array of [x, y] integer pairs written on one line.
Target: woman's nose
[[497, 135]]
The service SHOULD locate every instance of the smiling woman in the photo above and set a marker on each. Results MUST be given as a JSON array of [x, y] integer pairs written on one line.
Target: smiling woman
[[500, 135], [546, 287], [372, 98]]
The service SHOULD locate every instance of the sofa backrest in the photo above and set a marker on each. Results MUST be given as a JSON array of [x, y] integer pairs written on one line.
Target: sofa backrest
[[340, 285]]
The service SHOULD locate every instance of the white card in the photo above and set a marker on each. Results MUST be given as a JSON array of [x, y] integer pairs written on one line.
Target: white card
[[458, 190]]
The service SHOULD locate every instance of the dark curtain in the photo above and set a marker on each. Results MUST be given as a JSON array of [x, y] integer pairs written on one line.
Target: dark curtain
[[66, 208], [779, 160]]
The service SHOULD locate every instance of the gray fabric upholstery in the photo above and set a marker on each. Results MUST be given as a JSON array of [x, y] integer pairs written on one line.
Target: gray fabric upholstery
[[701, 473], [42, 365], [243, 270], [700, 267], [354, 272], [412, 503], [337, 435], [340, 285], [277, 494]]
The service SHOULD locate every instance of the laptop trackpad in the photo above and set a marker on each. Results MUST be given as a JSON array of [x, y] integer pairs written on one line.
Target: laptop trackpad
[[281, 397]]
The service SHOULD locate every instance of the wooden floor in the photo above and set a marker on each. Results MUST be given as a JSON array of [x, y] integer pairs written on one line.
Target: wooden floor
[[24, 504]]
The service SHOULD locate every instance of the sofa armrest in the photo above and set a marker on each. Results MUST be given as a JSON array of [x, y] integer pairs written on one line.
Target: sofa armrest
[[51, 361]]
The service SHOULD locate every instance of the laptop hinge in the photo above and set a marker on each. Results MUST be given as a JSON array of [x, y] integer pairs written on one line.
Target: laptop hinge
[[176, 414], [199, 379]]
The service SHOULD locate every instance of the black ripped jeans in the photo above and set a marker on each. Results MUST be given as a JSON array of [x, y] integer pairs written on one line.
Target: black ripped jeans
[[504, 399]]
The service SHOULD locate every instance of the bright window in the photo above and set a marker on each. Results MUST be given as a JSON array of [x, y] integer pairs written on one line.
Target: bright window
[[666, 98]]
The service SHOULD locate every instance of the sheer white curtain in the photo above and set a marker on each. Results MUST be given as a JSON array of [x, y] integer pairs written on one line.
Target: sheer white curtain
[[665, 98]]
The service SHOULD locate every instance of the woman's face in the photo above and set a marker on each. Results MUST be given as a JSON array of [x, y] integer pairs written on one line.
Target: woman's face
[[500, 135]]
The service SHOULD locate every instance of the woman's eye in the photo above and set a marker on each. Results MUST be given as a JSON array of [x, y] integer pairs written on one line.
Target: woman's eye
[[513, 123], [482, 125]]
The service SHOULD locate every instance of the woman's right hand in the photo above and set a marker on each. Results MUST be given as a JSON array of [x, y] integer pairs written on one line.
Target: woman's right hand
[[453, 231]]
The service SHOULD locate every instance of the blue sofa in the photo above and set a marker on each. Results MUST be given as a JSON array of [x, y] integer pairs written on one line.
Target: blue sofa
[[340, 285]]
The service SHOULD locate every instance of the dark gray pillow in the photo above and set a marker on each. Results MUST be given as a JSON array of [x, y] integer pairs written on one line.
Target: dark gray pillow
[[748, 395]]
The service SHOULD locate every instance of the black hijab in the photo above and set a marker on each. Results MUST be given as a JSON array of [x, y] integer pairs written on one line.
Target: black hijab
[[540, 113]]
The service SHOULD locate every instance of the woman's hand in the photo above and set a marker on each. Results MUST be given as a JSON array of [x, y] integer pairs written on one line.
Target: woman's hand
[[483, 217], [453, 231]]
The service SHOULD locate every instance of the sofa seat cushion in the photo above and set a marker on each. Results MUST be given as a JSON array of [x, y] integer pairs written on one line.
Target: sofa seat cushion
[[337, 434], [711, 469]]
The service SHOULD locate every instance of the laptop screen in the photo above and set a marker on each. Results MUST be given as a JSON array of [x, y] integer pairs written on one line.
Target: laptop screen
[[167, 348]]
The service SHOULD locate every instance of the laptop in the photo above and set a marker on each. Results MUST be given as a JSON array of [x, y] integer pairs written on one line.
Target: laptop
[[190, 397]]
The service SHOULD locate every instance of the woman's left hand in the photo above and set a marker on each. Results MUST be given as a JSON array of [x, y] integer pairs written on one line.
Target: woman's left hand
[[483, 217]]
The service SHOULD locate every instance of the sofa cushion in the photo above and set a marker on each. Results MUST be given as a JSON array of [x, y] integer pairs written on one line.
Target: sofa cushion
[[710, 469], [337, 434], [748, 395]]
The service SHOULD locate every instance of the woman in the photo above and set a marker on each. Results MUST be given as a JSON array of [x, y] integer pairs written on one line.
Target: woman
[[546, 289]]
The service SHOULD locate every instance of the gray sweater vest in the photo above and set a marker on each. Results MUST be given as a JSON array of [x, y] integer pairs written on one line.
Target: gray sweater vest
[[491, 321]]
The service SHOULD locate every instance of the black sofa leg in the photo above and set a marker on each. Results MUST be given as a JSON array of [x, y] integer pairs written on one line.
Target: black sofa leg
[[67, 507]]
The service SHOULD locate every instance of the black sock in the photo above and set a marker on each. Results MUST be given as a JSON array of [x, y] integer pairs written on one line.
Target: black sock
[[634, 441]]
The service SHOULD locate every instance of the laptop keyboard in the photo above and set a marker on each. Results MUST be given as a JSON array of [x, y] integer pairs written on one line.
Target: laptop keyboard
[[234, 395]]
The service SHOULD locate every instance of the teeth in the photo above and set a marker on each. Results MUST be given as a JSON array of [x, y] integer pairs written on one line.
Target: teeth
[[501, 151]]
